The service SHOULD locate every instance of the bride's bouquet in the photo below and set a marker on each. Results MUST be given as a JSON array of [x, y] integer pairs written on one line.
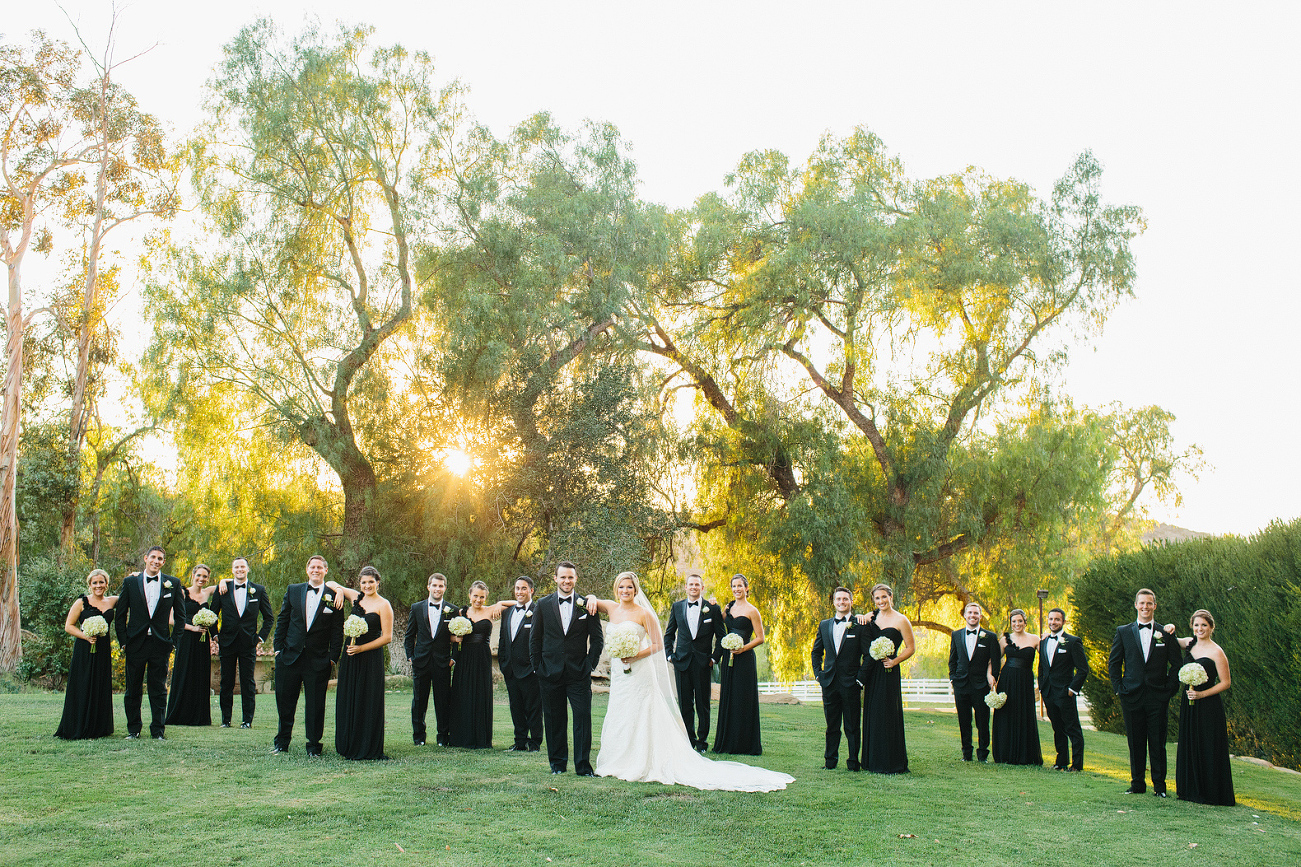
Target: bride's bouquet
[[882, 648], [205, 619], [354, 627], [622, 640], [95, 627], [732, 642], [460, 626], [995, 700], [1192, 674]]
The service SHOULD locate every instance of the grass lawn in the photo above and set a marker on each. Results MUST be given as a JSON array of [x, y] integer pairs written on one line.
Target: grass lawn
[[213, 796]]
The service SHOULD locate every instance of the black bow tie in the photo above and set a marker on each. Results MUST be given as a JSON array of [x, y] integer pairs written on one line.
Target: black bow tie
[[1056, 636], [564, 600], [693, 604], [973, 631], [1145, 626], [842, 619], [241, 586], [149, 578]]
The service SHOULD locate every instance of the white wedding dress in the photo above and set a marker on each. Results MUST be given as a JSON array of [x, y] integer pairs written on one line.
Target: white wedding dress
[[643, 738]]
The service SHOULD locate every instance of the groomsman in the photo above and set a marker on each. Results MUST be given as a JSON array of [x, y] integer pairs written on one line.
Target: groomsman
[[838, 651], [309, 636], [428, 644], [1063, 666], [1144, 669], [974, 663], [691, 641], [565, 646], [239, 604], [144, 631], [517, 668]]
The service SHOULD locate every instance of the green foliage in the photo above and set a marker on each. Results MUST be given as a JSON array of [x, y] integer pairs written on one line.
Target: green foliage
[[48, 591], [1251, 587]]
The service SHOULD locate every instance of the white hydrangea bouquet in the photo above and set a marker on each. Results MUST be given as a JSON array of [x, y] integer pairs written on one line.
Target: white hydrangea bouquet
[[460, 626], [622, 640], [95, 627], [1192, 674], [205, 619], [995, 699], [732, 642], [881, 648], [354, 627]]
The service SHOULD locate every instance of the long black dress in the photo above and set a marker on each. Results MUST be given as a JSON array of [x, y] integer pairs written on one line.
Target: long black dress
[[1202, 771], [884, 748], [359, 697], [88, 700], [738, 696], [189, 701], [1016, 728], [472, 689]]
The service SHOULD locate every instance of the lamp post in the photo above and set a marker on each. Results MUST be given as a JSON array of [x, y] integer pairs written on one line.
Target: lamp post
[[1042, 594]]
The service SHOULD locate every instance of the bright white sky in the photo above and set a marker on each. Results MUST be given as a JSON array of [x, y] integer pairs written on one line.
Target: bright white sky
[[1192, 108]]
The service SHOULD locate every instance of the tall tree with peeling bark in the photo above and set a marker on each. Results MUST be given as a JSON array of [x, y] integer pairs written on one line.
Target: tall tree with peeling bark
[[326, 159]]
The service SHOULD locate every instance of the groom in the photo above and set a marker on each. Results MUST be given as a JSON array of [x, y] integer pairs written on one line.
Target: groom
[[147, 607], [1144, 669], [973, 670], [308, 638], [565, 646], [691, 642]]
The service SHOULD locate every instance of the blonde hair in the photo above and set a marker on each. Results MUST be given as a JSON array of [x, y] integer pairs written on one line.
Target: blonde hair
[[878, 586], [93, 573], [618, 579]]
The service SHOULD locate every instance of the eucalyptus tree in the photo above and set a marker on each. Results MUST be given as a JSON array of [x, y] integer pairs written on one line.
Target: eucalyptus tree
[[324, 164], [864, 347]]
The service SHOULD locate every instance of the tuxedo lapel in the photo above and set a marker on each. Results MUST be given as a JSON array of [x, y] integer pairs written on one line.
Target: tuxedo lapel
[[829, 642]]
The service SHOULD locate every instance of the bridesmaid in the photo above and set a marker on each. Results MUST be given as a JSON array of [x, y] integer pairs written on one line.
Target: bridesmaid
[[1016, 725], [1202, 770], [359, 697], [189, 701], [737, 731], [472, 674], [88, 699], [885, 751]]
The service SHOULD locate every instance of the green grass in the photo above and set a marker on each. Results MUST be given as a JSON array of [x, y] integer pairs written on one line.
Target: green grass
[[215, 797]]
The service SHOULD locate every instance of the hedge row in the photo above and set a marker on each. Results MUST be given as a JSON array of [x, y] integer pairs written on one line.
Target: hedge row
[[1253, 589]]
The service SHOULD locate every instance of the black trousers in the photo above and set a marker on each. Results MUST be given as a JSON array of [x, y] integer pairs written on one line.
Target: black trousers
[[247, 686], [436, 680], [558, 698], [1147, 721], [303, 676], [694, 691], [147, 666], [525, 710], [966, 703], [842, 706], [1068, 736]]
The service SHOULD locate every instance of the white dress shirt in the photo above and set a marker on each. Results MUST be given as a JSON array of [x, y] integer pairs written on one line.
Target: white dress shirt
[[311, 601]]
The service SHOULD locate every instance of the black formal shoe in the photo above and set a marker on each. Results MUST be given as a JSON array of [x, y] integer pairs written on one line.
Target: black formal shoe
[[516, 749], [1133, 791], [420, 743], [830, 766], [1058, 768], [246, 725], [160, 737], [966, 758], [850, 766], [225, 725], [533, 749], [278, 750], [590, 774], [313, 755], [554, 771], [444, 742], [132, 736], [1073, 770], [1160, 794]]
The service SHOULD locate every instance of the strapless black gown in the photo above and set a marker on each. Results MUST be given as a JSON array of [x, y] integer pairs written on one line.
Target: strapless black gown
[[1016, 726], [737, 731], [88, 699], [472, 689], [189, 701], [1202, 771], [359, 696], [884, 748]]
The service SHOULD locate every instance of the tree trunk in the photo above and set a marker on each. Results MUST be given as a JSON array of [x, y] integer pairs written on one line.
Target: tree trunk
[[11, 641]]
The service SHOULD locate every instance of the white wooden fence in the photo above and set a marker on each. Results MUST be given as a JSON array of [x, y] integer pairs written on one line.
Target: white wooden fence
[[916, 691]]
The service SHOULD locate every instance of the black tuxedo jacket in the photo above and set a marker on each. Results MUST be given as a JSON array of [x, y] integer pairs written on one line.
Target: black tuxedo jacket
[[1133, 679], [1066, 670], [514, 656], [319, 645], [427, 651], [236, 634], [683, 650], [968, 674], [557, 654], [131, 614], [843, 669]]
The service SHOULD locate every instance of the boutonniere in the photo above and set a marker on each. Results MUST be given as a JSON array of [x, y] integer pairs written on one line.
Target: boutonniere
[[447, 609], [328, 599], [528, 612], [704, 609], [167, 584]]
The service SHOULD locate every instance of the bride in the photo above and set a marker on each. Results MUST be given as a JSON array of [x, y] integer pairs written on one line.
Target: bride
[[642, 738]]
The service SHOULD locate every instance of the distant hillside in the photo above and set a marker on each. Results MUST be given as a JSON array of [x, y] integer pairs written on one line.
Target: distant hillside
[[1171, 533]]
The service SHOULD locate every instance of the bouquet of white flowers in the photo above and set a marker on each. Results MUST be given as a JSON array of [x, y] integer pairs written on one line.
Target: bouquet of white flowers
[[459, 626], [881, 648], [354, 627], [95, 627], [732, 642], [206, 619], [996, 699], [1192, 674], [622, 640]]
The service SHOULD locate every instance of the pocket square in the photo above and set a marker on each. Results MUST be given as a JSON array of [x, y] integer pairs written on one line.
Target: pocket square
[[327, 610], [708, 620]]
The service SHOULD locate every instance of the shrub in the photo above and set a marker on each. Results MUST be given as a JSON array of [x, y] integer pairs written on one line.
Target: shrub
[[1251, 587], [45, 593]]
